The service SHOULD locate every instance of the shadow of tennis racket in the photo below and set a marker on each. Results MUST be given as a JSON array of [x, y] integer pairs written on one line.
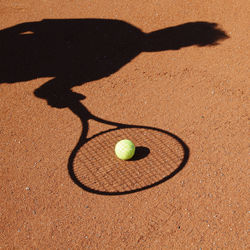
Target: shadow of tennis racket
[[94, 167]]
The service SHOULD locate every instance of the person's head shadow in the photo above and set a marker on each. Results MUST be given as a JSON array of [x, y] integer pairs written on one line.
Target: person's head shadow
[[76, 51]]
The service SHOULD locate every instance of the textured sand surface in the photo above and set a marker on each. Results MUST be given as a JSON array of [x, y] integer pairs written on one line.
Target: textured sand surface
[[198, 93]]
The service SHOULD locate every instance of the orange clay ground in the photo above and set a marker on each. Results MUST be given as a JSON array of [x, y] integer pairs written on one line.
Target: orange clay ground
[[198, 93]]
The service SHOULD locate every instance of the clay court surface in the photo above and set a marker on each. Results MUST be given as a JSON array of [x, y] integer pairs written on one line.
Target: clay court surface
[[196, 91]]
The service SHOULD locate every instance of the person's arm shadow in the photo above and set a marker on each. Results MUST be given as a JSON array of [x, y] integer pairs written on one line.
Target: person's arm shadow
[[76, 51]]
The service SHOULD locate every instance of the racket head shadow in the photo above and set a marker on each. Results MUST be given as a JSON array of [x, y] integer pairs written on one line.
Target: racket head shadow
[[159, 156]]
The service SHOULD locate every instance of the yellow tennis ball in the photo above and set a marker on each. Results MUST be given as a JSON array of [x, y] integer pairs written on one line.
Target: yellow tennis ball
[[125, 149]]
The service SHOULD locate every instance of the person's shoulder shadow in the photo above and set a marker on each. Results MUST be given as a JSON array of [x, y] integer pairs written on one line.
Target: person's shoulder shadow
[[76, 51]]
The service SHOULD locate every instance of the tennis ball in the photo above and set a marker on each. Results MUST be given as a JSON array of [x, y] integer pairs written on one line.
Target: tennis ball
[[125, 149]]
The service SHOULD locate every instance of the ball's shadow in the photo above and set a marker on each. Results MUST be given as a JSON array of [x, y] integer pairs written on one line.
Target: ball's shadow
[[140, 153]]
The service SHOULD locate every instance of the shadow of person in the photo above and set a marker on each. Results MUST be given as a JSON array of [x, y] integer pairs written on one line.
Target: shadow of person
[[76, 51]]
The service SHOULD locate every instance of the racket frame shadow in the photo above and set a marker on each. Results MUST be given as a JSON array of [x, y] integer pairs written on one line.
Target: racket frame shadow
[[85, 116]]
